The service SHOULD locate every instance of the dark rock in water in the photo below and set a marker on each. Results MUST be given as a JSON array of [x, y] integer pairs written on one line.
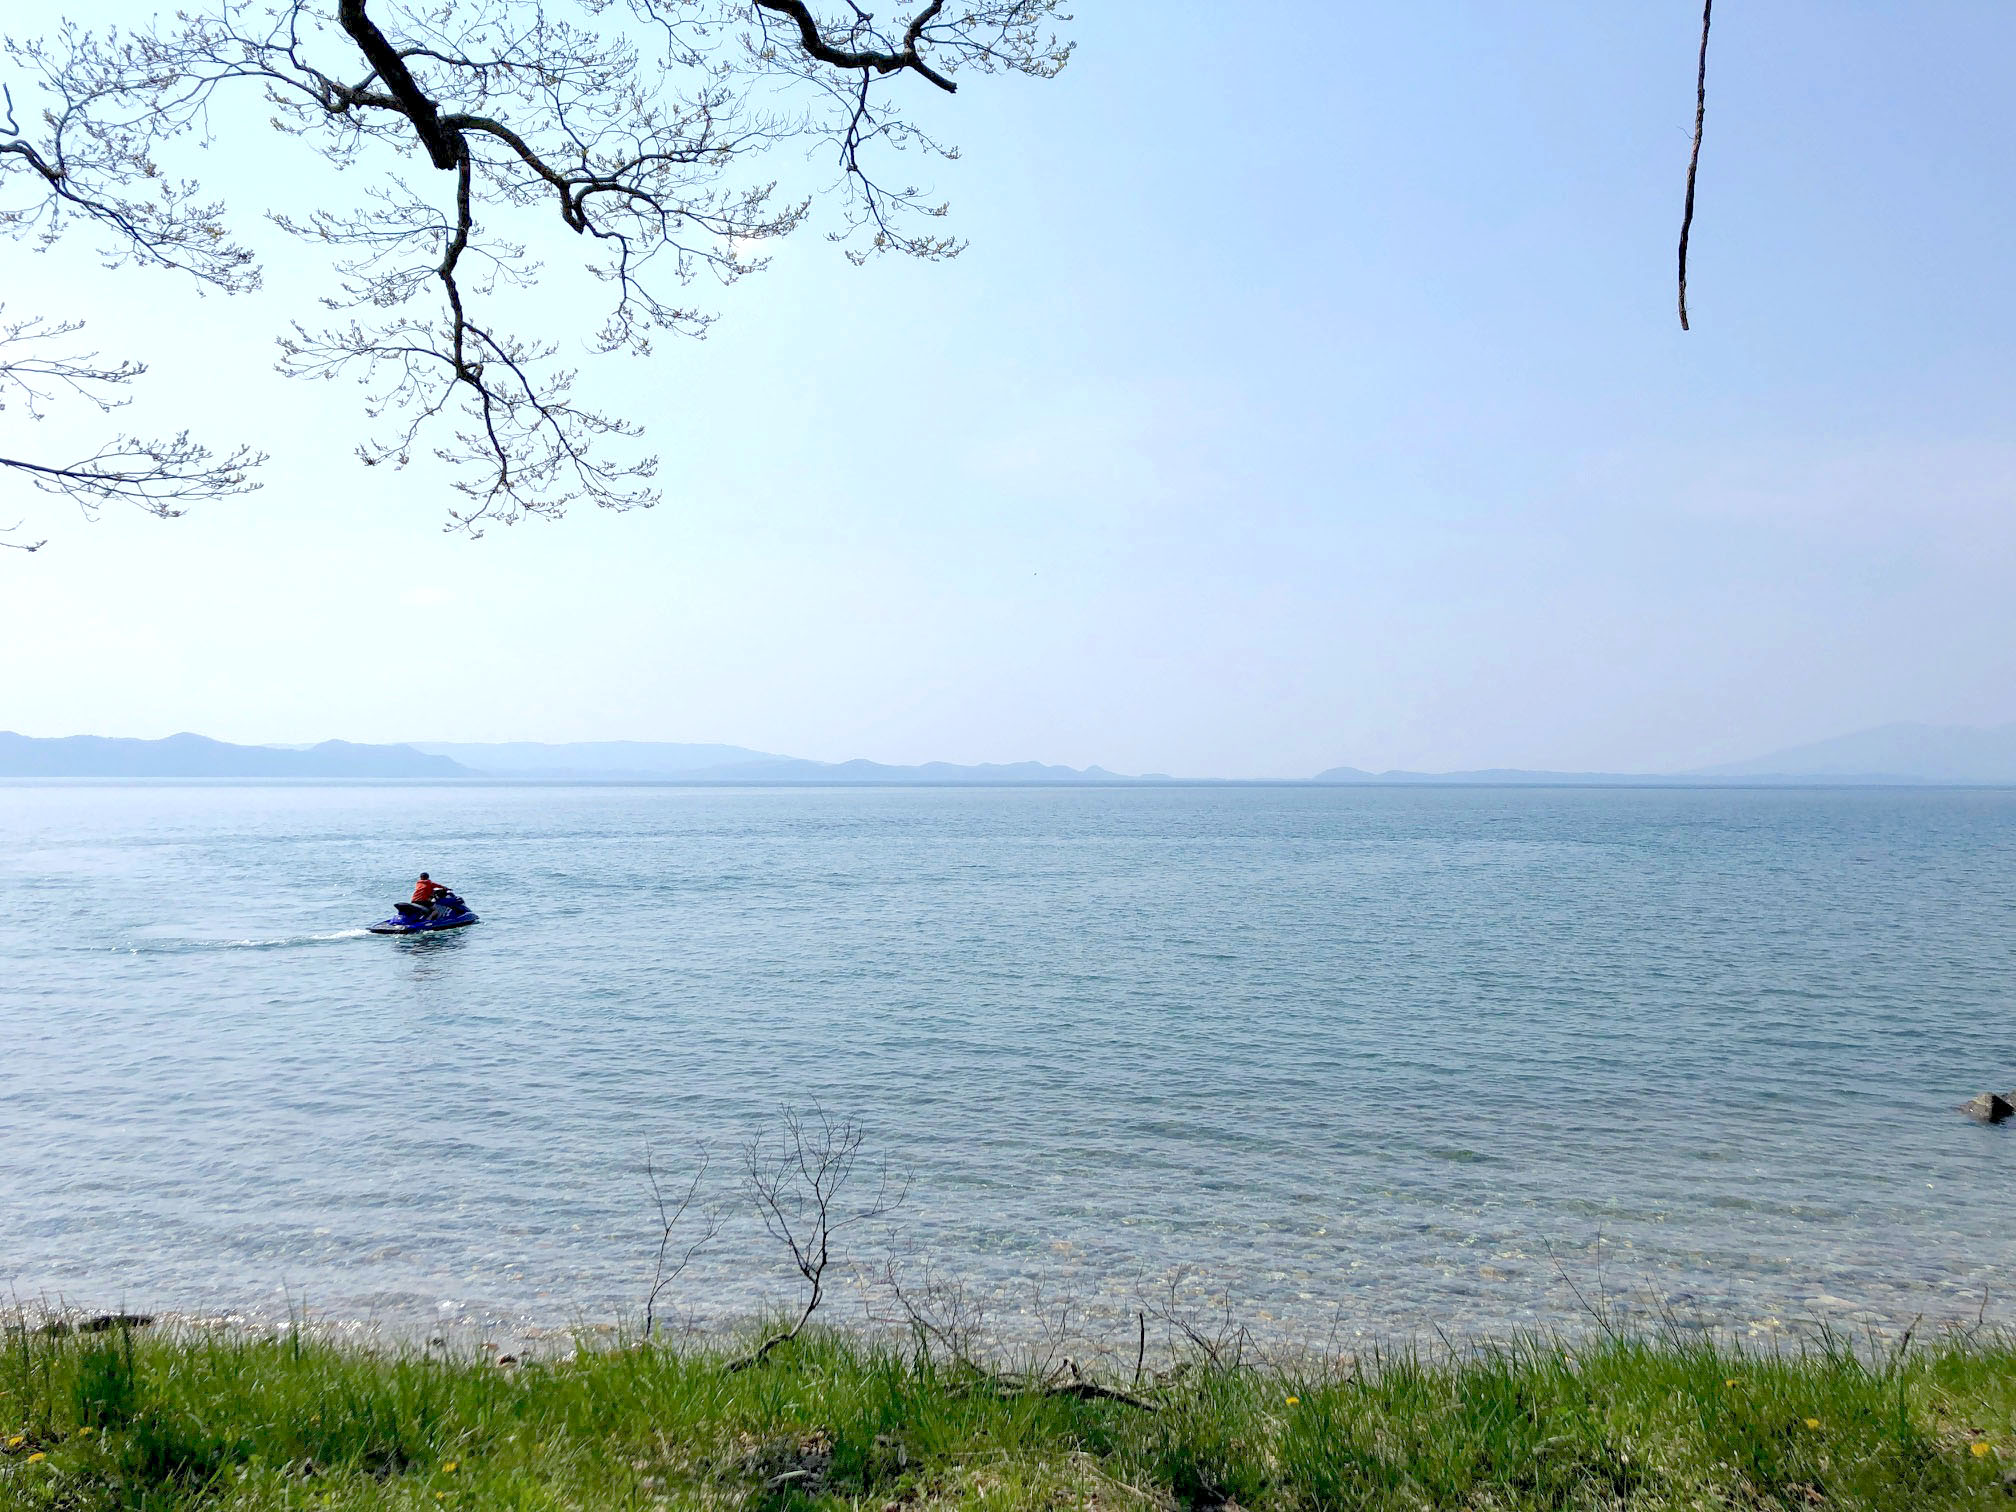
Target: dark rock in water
[[58, 1328], [106, 1322], [1989, 1107]]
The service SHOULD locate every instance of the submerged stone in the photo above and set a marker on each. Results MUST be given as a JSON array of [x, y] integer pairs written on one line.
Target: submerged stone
[[1989, 1107]]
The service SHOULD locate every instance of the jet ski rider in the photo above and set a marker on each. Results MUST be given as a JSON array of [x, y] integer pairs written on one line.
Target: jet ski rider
[[426, 890]]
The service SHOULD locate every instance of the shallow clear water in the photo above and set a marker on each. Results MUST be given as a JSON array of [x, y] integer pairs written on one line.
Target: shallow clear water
[[1379, 1059]]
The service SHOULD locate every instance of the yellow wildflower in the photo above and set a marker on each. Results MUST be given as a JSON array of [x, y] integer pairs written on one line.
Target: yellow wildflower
[[1812, 1422], [85, 1431], [1981, 1450], [16, 1441], [37, 1455], [1292, 1401], [1730, 1382], [450, 1466]]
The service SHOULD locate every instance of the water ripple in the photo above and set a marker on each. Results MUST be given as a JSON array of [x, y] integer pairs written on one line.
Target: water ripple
[[1422, 1055]]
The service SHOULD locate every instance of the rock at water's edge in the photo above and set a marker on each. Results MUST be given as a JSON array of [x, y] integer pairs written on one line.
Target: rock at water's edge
[[106, 1322], [1989, 1107]]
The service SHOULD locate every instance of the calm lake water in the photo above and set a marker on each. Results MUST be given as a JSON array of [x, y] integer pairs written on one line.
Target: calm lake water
[[1383, 1060]]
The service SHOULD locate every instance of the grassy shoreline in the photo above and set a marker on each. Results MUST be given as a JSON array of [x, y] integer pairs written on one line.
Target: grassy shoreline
[[158, 1419]]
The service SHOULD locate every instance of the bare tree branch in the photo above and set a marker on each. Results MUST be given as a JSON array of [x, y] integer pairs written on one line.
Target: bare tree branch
[[1219, 1338], [799, 1183], [816, 45], [940, 1309], [945, 1311], [632, 127], [160, 476], [665, 1270], [1694, 158]]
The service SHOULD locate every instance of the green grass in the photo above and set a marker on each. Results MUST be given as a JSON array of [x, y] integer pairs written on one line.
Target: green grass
[[172, 1420]]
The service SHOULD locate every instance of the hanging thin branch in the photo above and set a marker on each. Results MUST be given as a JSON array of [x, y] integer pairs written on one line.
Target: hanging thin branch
[[1694, 159], [161, 475]]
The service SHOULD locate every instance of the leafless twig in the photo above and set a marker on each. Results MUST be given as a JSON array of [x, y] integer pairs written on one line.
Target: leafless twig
[[665, 1270], [1600, 1309], [1218, 1335], [939, 1309], [947, 1312], [799, 1182]]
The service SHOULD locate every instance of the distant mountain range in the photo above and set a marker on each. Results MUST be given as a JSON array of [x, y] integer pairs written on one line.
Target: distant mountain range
[[1497, 777], [199, 756], [1893, 753], [616, 759], [1897, 753], [641, 761], [196, 756]]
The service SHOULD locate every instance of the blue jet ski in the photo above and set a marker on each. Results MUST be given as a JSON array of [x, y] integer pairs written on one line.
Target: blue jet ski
[[446, 912]]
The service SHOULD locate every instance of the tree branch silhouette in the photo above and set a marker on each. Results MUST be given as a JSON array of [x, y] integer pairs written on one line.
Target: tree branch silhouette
[[638, 127], [1694, 157], [800, 1183], [160, 476]]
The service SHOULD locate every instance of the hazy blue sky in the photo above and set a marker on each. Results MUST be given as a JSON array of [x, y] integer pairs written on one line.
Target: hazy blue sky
[[1311, 394]]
